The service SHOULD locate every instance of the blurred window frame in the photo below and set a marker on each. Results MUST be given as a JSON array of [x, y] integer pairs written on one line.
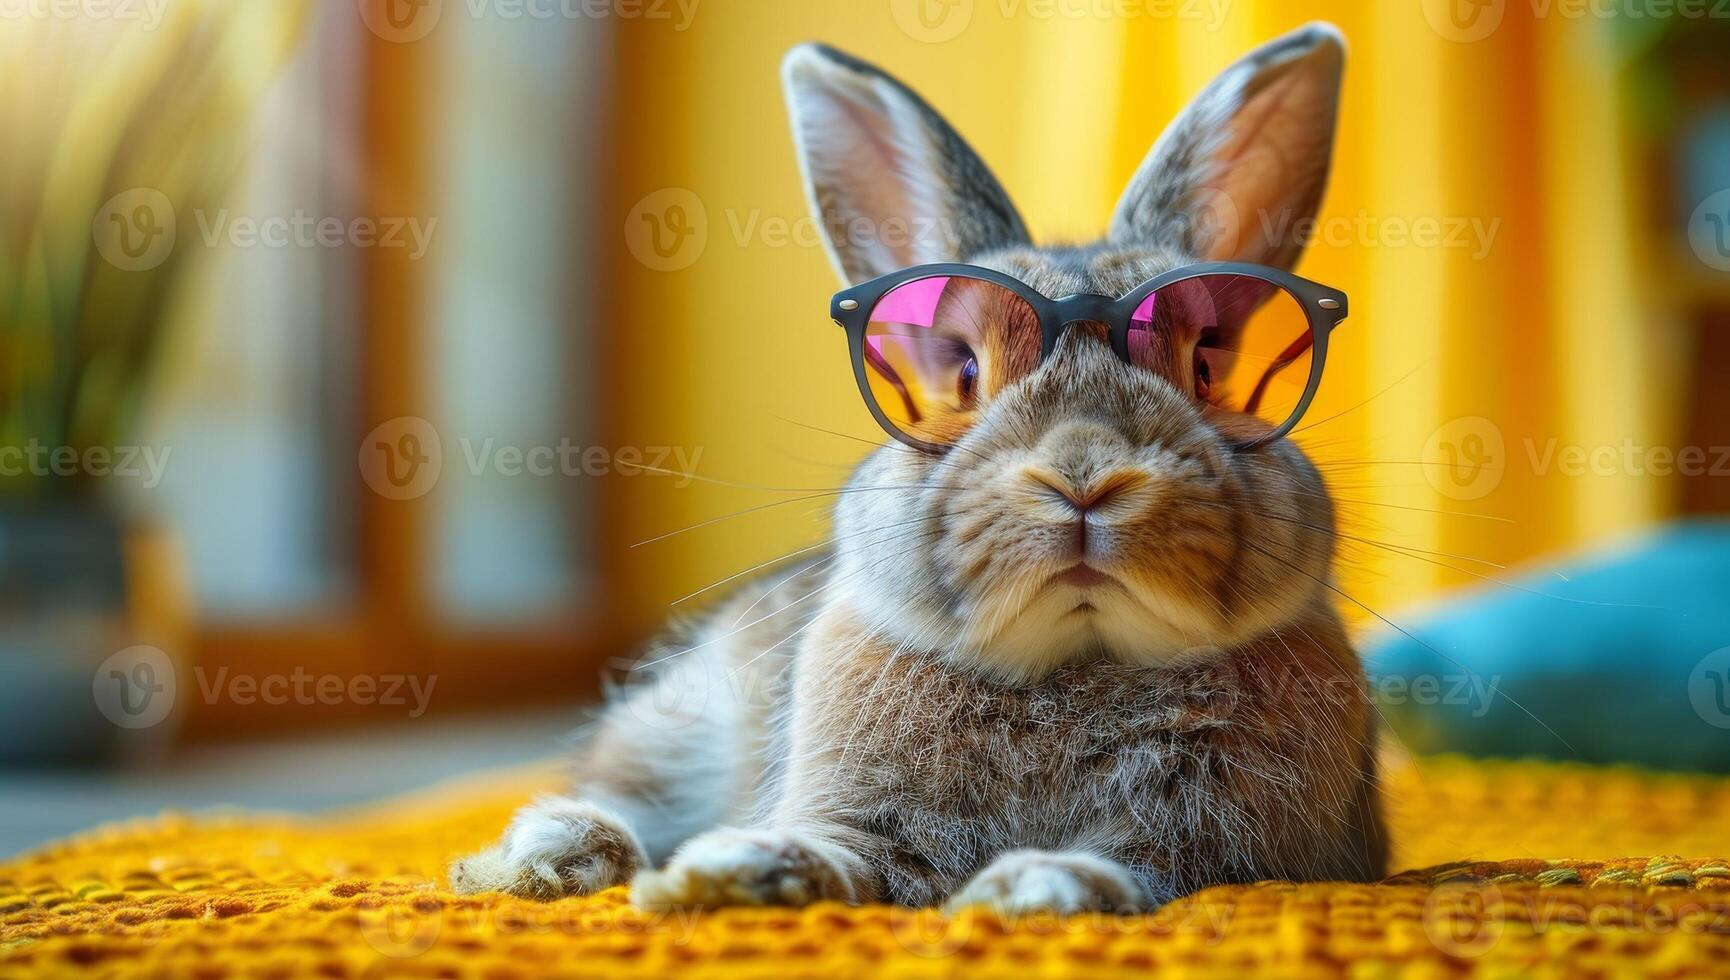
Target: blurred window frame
[[391, 624]]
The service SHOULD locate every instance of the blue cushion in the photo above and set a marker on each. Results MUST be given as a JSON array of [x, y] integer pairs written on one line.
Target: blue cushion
[[1625, 658]]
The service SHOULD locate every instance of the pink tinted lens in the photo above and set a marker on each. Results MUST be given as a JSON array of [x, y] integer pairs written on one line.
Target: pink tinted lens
[[1237, 342], [925, 352]]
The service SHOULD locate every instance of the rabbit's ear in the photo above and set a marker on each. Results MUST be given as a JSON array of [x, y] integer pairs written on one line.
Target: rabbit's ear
[[1247, 160], [889, 181]]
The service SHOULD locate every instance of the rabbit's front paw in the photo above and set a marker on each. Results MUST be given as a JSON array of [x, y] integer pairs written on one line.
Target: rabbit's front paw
[[744, 867], [553, 848], [1024, 882]]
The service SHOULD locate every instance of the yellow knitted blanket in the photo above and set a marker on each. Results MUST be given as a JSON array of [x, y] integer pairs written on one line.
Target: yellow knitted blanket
[[1528, 869]]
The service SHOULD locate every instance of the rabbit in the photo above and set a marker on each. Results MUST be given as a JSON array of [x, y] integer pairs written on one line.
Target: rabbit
[[908, 718]]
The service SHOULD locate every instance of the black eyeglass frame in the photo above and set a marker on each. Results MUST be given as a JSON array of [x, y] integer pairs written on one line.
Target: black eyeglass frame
[[1324, 307]]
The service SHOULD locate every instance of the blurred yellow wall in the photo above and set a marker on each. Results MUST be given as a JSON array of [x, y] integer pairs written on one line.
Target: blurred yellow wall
[[1534, 327]]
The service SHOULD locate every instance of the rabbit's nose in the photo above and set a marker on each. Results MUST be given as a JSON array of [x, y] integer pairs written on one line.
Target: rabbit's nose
[[1090, 494]]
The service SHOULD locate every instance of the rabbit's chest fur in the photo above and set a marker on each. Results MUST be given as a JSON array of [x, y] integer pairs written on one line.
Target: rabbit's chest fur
[[1223, 769]]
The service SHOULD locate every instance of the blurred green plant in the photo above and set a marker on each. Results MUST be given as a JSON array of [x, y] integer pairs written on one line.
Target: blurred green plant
[[1673, 60], [96, 112]]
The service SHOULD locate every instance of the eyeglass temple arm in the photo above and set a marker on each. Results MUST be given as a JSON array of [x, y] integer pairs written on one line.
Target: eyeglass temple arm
[[1280, 363], [875, 358]]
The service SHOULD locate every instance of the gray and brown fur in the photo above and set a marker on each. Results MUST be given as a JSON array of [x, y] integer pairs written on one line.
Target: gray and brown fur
[[921, 715]]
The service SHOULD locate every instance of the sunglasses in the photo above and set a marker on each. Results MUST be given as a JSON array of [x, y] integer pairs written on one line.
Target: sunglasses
[[931, 343]]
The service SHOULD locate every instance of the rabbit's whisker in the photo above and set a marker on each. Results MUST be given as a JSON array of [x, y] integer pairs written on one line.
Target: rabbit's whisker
[[898, 447], [1492, 685], [1325, 464], [791, 554], [1362, 692], [873, 443], [1420, 554], [1389, 546], [757, 508], [754, 568], [734, 485], [830, 559], [1410, 507], [771, 590], [1397, 382], [778, 503], [773, 613], [772, 648]]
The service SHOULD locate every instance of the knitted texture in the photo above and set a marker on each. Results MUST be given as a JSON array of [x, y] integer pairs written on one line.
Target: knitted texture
[[1529, 869]]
